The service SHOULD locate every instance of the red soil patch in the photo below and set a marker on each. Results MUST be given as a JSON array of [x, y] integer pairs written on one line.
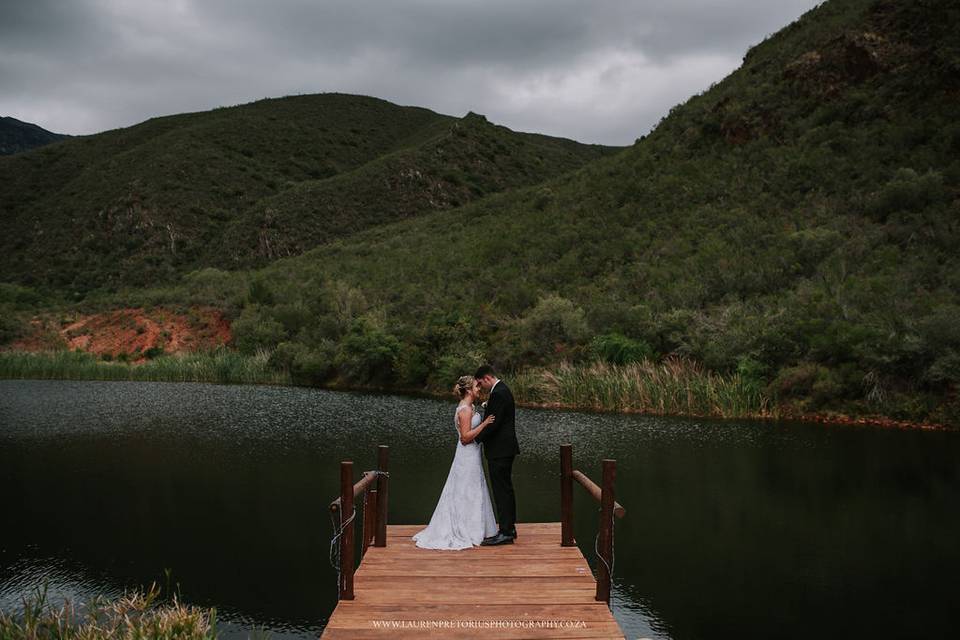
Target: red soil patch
[[132, 332]]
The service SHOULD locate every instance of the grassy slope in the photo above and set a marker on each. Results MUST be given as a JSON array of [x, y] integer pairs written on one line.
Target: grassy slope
[[798, 221], [142, 205], [448, 166]]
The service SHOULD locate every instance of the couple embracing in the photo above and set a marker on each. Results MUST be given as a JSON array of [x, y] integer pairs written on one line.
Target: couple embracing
[[464, 514]]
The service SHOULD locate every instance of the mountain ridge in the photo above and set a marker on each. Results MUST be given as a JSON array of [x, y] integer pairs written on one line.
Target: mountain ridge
[[17, 136], [144, 204]]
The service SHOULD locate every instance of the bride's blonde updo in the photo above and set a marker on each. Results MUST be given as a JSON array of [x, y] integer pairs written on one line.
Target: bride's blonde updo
[[464, 384]]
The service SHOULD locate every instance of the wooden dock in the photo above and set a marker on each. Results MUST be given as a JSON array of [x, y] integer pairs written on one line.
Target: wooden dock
[[534, 588], [539, 587]]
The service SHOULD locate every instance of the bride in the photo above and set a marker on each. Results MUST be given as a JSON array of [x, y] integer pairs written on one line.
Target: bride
[[464, 515]]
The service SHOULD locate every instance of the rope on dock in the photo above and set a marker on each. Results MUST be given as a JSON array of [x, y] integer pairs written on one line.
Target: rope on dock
[[613, 553], [338, 530], [334, 547]]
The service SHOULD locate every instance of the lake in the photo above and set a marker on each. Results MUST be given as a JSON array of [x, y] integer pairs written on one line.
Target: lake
[[746, 529]]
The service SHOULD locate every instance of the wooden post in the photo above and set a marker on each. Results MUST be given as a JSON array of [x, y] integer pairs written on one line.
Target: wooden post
[[383, 460], [606, 530], [566, 496], [346, 536], [369, 519]]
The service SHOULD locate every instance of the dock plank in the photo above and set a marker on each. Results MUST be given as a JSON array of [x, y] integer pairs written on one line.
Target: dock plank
[[533, 588]]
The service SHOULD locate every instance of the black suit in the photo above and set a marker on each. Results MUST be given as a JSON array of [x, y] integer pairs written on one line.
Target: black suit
[[500, 447]]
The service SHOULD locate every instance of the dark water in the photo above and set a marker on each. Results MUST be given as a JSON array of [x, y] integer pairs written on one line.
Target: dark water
[[746, 530]]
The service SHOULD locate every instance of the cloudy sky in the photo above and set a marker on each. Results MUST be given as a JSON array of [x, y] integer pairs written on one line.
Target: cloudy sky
[[600, 71]]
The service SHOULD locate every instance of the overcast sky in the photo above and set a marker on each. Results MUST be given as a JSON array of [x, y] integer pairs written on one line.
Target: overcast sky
[[601, 71]]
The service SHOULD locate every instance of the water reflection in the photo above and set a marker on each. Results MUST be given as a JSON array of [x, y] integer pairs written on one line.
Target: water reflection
[[732, 529]]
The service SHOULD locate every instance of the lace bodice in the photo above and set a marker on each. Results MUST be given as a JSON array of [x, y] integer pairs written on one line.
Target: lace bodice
[[474, 418]]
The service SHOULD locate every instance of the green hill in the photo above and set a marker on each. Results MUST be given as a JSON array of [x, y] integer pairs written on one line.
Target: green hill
[[17, 136], [797, 223], [240, 186], [794, 227]]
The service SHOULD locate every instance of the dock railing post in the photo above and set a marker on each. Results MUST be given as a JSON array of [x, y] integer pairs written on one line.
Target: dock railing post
[[566, 496], [605, 541], [383, 461], [346, 535], [369, 519]]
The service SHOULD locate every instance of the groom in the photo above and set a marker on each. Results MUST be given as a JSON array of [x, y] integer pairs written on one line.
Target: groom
[[500, 446]]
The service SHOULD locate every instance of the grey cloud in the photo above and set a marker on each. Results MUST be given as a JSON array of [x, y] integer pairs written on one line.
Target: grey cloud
[[598, 71]]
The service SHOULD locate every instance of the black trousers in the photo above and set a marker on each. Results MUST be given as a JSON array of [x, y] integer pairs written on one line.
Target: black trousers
[[501, 471]]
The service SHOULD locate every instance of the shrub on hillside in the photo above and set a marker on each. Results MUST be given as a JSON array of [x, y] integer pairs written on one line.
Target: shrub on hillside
[[12, 325], [462, 360], [215, 285], [816, 384], [304, 364], [908, 191], [368, 354], [553, 325], [259, 291], [940, 335], [255, 330], [18, 297], [615, 348]]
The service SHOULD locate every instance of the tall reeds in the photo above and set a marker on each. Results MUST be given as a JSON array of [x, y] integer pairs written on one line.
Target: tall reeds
[[676, 386], [222, 366]]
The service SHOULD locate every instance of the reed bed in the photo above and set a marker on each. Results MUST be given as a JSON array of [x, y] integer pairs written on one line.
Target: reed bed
[[676, 386], [221, 366], [134, 616]]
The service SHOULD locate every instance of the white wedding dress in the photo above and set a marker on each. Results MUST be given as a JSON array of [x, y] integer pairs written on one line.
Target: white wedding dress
[[464, 515]]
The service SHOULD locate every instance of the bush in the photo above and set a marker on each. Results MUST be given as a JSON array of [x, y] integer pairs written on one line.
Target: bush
[[815, 383], [752, 372], [368, 354], [462, 360], [305, 365], [18, 297], [940, 337], [552, 326], [908, 191], [215, 285], [615, 348], [413, 366], [153, 352], [260, 292], [12, 325], [253, 331], [293, 317]]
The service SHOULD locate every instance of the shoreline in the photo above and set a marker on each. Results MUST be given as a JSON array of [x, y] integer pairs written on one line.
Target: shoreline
[[825, 419]]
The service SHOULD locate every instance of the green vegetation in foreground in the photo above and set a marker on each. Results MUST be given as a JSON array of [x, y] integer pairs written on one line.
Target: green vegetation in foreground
[[134, 616], [222, 366]]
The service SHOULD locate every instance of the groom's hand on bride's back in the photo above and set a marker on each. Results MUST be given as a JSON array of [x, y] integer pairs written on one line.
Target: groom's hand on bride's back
[[485, 427]]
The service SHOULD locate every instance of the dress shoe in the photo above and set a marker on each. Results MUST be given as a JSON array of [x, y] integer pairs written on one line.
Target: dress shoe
[[497, 539]]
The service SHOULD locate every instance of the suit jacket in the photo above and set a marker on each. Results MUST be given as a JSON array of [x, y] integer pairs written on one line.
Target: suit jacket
[[500, 438]]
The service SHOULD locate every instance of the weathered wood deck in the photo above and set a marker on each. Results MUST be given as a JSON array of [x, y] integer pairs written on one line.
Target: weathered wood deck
[[534, 588]]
